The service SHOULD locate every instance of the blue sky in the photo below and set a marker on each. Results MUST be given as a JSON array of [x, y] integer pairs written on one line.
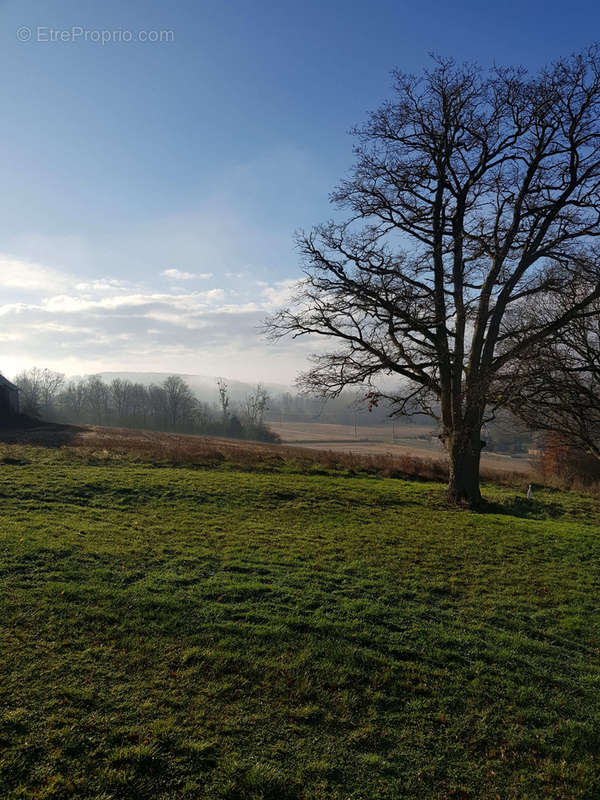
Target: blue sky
[[151, 189]]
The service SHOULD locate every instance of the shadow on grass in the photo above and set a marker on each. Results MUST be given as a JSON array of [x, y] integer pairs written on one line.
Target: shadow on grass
[[23, 429], [523, 508]]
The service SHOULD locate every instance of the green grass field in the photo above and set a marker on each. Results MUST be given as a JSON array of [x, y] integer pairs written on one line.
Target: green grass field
[[216, 633]]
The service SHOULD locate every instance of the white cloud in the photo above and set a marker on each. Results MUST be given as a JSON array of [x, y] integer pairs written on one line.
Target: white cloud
[[69, 304], [102, 285], [179, 275], [13, 308], [19, 274], [177, 320], [281, 293], [59, 327]]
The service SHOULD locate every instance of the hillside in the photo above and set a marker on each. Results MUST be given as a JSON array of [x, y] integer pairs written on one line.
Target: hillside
[[183, 632]]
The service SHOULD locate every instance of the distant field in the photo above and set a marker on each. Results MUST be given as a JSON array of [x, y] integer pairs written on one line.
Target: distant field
[[378, 439], [416, 457], [235, 634], [319, 431]]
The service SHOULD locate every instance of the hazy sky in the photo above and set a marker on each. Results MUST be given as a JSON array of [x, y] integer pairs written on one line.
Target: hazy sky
[[151, 189]]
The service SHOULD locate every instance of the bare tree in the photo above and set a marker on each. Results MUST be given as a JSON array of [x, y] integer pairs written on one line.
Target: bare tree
[[30, 391], [557, 388], [158, 406], [473, 194], [97, 399], [120, 395], [73, 400], [223, 398], [39, 389], [51, 383], [139, 404], [256, 405], [179, 399]]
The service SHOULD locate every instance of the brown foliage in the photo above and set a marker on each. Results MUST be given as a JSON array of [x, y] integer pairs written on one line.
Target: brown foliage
[[566, 465]]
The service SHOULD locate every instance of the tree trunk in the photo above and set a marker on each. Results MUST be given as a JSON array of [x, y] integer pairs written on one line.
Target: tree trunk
[[464, 450]]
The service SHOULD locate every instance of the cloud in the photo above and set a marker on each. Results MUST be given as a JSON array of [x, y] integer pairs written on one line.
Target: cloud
[[102, 284], [107, 324], [179, 275], [13, 308], [17, 273], [280, 294], [68, 304]]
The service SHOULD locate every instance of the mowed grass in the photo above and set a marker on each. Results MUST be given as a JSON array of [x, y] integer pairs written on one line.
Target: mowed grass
[[211, 633]]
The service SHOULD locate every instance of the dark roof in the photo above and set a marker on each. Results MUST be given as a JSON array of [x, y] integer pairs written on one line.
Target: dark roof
[[6, 384]]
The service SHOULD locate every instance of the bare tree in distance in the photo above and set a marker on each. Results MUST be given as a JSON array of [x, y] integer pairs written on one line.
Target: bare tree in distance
[[223, 398], [120, 391], [179, 398], [97, 399], [256, 405], [39, 387], [73, 399], [473, 194]]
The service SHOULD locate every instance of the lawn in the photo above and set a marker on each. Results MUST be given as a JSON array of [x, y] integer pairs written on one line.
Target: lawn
[[179, 632]]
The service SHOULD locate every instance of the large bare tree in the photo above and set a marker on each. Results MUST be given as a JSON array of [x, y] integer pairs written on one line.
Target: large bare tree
[[473, 194]]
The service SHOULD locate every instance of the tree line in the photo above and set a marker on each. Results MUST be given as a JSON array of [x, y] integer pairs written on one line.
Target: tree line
[[168, 406], [172, 406]]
